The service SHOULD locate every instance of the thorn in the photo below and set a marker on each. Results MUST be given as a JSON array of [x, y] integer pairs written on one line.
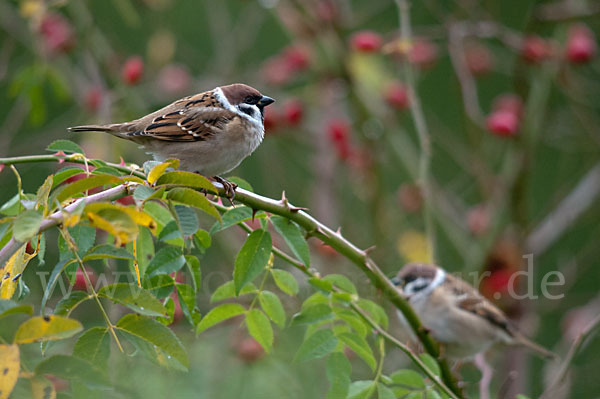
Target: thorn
[[1, 167], [122, 163], [296, 209], [339, 231], [253, 214], [370, 249]]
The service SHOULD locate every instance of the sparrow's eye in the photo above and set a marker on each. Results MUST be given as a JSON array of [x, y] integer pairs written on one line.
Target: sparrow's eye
[[251, 100]]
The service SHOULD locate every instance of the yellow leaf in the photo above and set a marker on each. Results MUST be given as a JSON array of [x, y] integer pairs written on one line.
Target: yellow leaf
[[48, 328], [10, 364], [139, 217], [414, 247], [122, 233], [42, 388], [13, 267], [160, 169]]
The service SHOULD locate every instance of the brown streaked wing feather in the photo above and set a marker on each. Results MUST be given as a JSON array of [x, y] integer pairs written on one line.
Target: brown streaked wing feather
[[193, 118]]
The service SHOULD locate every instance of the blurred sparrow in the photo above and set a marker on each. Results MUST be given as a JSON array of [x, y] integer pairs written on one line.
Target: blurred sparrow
[[456, 314], [209, 133]]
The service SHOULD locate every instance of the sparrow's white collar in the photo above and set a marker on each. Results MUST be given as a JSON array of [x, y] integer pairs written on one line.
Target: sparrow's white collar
[[227, 105]]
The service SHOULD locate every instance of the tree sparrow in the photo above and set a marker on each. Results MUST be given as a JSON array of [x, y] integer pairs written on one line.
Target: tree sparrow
[[456, 314], [209, 133]]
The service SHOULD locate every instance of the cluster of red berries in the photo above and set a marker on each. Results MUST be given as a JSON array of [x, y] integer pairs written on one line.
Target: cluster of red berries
[[282, 68], [289, 115], [506, 115]]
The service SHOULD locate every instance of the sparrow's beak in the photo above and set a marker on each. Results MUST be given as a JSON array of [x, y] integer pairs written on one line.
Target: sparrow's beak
[[264, 101]]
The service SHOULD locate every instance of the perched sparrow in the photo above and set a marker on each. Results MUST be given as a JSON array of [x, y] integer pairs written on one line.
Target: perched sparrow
[[209, 133], [456, 314]]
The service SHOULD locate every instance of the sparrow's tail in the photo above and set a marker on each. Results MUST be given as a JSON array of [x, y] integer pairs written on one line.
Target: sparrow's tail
[[91, 128], [540, 350]]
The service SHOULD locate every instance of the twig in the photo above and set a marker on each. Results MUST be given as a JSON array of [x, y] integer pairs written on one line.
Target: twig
[[420, 126], [569, 209], [569, 358]]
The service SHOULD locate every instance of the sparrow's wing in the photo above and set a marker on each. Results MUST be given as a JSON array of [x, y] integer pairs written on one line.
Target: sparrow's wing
[[483, 308], [193, 118]]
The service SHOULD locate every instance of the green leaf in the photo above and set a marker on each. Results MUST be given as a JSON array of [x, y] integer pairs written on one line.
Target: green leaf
[[187, 301], [293, 237], [252, 258], [317, 345], [260, 328], [193, 198], [353, 321], [145, 250], [375, 311], [188, 179], [219, 314], [202, 240], [46, 328], [65, 146], [137, 299], [168, 349], [65, 306], [338, 375], [272, 306], [141, 193], [188, 220], [167, 260], [27, 225], [105, 251], [408, 378], [171, 234], [160, 285], [11, 307], [193, 265], [73, 369], [43, 192], [12, 206], [360, 390], [342, 282], [321, 284], [313, 314], [235, 216], [159, 213], [241, 183], [83, 236], [431, 363], [158, 170], [360, 346], [85, 184], [56, 271], [285, 281], [65, 173], [94, 346], [384, 392], [227, 290]]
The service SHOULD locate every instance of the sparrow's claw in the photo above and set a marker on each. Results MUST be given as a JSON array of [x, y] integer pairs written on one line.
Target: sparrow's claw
[[228, 186]]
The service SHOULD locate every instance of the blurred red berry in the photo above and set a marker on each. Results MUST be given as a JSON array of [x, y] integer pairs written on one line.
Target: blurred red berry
[[338, 131], [535, 50], [177, 311], [581, 44], [58, 383], [366, 41], [396, 95], [133, 69], [478, 220], [174, 79], [56, 32], [30, 248], [296, 57], [410, 198], [293, 112], [128, 200], [80, 281], [423, 53], [272, 118], [93, 98], [479, 59], [503, 123], [326, 250], [276, 71], [509, 102], [249, 350], [327, 10], [497, 282]]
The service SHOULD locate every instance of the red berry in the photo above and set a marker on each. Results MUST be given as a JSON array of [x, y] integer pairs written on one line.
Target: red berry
[[535, 50], [177, 311], [80, 281], [503, 123], [174, 79], [293, 112], [396, 95], [509, 102], [366, 41], [249, 350], [276, 71], [93, 98], [423, 53], [479, 59], [338, 131], [133, 69], [497, 282], [581, 44], [327, 250], [410, 198], [296, 57], [478, 220], [128, 200], [31, 247], [56, 33]]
